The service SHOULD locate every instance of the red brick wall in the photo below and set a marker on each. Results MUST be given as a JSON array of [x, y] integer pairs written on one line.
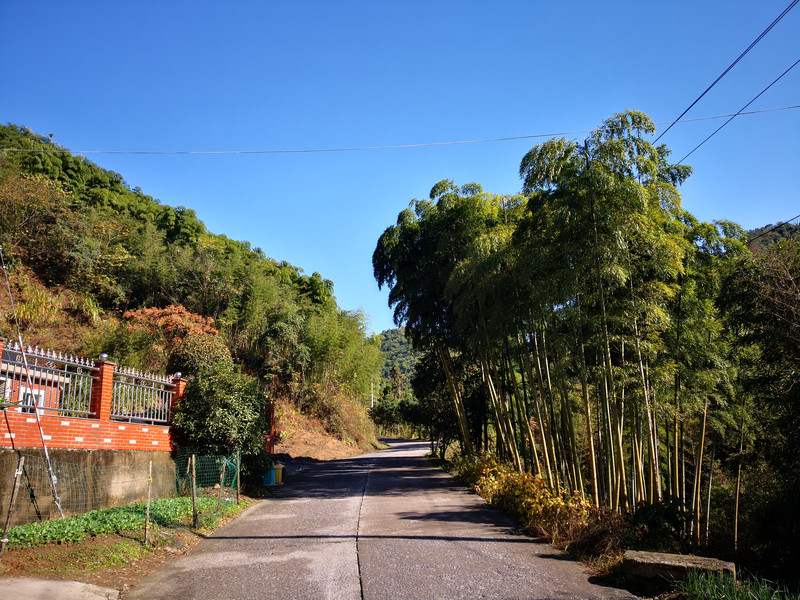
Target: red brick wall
[[19, 430], [99, 432]]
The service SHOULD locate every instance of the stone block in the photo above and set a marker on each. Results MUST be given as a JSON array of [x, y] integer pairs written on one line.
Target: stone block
[[655, 570]]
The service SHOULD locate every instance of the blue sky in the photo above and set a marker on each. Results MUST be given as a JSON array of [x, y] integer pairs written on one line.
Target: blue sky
[[213, 76]]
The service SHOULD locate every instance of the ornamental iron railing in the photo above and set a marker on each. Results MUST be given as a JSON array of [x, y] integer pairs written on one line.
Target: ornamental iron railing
[[53, 382], [71, 386], [141, 397]]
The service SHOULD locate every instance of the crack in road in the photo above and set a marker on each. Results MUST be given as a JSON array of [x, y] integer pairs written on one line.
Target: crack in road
[[358, 528]]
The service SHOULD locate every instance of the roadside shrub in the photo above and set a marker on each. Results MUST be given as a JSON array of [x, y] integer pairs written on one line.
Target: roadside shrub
[[132, 348], [160, 340], [658, 526], [528, 499], [567, 521], [255, 465], [197, 352], [223, 410]]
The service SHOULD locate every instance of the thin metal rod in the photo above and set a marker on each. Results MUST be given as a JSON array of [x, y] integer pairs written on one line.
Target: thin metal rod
[[28, 381], [11, 504]]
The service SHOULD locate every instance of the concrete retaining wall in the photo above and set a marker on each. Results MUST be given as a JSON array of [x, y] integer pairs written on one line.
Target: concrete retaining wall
[[86, 480]]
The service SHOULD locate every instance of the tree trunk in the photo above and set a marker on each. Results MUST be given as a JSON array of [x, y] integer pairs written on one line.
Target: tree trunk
[[697, 478], [587, 409], [444, 356]]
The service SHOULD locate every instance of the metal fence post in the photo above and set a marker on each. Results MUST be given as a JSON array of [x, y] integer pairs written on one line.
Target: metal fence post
[[147, 514], [221, 484], [194, 493], [238, 478]]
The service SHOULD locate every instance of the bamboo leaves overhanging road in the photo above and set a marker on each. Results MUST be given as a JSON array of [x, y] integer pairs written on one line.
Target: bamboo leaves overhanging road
[[588, 304]]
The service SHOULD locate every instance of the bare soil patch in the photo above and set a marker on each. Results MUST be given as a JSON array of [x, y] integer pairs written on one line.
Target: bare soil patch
[[302, 436], [316, 445]]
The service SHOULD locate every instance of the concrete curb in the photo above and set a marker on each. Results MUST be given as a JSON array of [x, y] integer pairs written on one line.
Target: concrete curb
[[28, 588]]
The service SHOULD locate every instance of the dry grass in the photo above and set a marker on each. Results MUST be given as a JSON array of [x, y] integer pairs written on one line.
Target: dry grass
[[304, 436], [54, 319]]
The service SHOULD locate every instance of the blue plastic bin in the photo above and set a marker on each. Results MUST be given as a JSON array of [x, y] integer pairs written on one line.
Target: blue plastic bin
[[269, 478]]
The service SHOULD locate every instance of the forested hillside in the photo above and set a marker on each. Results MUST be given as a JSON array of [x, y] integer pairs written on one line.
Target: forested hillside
[[764, 237], [593, 333], [99, 267], [397, 353]]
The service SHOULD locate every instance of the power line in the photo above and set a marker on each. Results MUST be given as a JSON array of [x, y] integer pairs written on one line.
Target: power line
[[390, 147], [733, 64], [740, 111]]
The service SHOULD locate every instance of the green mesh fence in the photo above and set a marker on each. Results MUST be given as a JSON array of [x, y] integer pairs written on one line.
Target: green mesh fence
[[82, 488], [208, 473]]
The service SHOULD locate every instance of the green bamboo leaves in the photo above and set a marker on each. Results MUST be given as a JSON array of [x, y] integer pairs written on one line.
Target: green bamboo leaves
[[567, 301]]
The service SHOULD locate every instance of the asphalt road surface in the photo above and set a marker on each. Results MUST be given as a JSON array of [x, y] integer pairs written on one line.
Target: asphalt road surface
[[380, 526]]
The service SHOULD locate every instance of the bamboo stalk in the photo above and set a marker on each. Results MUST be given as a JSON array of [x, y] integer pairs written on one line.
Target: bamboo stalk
[[708, 497], [457, 401], [697, 479], [587, 409], [541, 415], [528, 430]]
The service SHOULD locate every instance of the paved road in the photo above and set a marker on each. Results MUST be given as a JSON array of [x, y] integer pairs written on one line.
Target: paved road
[[380, 526]]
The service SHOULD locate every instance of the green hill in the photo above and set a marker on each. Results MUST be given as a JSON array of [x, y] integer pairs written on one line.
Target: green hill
[[87, 253], [769, 235], [398, 353]]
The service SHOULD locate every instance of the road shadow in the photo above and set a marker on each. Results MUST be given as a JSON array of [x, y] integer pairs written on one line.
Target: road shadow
[[386, 472]]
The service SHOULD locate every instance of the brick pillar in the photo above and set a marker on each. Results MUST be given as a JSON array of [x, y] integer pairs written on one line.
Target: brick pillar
[[102, 389], [269, 439], [178, 388]]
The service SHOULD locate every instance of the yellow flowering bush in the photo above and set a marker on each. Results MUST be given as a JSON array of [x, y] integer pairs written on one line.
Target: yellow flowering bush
[[562, 518]]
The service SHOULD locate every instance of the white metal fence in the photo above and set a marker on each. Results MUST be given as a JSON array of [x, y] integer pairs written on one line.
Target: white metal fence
[[62, 384], [141, 397], [53, 382]]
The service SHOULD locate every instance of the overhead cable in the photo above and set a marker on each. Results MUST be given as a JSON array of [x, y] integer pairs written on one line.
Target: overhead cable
[[740, 111], [733, 64], [390, 147]]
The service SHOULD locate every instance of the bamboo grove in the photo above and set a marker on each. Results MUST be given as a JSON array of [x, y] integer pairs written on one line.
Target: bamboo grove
[[587, 302]]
